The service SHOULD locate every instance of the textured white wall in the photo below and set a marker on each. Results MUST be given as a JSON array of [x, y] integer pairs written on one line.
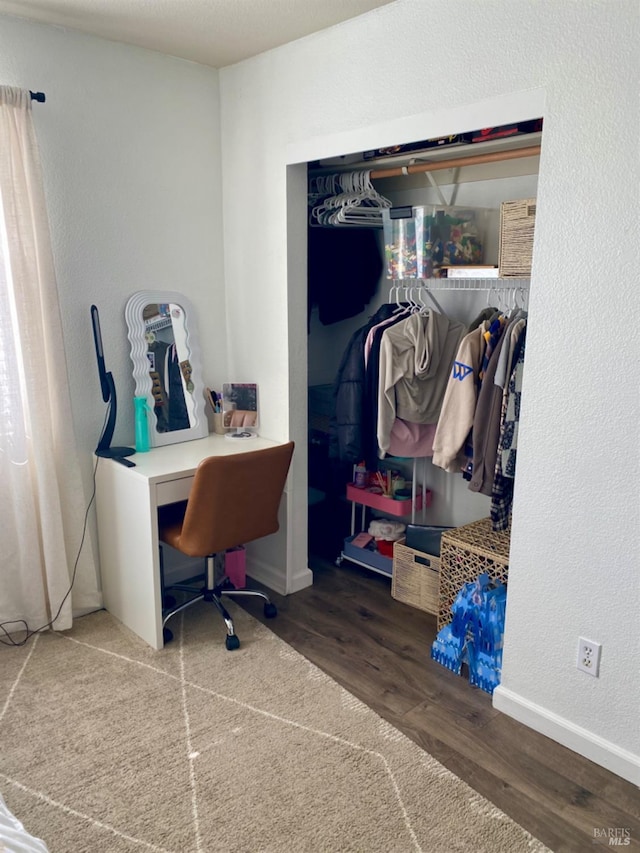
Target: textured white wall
[[419, 68], [130, 143]]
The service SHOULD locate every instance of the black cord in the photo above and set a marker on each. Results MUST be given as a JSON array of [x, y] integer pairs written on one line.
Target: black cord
[[29, 633]]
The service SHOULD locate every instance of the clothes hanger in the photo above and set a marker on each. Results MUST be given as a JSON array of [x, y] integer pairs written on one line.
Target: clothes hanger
[[416, 307], [330, 188], [366, 204], [346, 206], [394, 296], [350, 200], [424, 309], [325, 187]]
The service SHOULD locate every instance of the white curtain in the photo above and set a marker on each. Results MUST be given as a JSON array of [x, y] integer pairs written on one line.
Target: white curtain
[[42, 505]]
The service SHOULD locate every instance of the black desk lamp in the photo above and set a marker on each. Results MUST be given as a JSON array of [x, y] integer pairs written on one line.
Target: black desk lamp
[[109, 396]]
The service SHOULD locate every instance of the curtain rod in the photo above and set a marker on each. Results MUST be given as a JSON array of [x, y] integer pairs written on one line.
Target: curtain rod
[[471, 160], [38, 96]]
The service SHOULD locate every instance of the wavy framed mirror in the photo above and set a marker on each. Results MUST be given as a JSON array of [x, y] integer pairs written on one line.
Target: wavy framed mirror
[[167, 370]]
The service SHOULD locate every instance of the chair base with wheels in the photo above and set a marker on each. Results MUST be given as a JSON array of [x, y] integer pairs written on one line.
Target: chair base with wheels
[[234, 499], [212, 593]]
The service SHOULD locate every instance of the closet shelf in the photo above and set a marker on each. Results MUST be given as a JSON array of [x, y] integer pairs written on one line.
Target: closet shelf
[[413, 290], [437, 159], [461, 283]]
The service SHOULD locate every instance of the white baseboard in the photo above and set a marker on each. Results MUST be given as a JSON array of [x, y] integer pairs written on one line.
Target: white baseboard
[[266, 574], [603, 752], [301, 580], [273, 577]]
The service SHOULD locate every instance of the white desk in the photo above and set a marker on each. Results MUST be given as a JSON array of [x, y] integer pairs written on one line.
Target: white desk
[[127, 501]]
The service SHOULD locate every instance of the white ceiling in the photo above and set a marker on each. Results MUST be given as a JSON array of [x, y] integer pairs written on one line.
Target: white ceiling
[[213, 32]]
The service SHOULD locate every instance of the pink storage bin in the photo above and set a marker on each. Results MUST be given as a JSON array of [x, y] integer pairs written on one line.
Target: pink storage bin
[[387, 505], [235, 566]]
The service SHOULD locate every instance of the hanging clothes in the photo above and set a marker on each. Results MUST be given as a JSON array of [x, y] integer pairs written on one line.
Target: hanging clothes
[[371, 385], [491, 404], [492, 336], [486, 421], [502, 494], [415, 360], [516, 324], [509, 435], [346, 429], [354, 425], [413, 441], [487, 313], [459, 404]]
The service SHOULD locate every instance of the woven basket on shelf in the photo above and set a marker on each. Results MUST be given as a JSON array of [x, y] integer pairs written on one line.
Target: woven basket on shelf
[[415, 579], [517, 222], [467, 552]]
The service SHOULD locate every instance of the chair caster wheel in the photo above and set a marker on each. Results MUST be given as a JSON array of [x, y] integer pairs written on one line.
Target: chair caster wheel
[[232, 642], [167, 635], [270, 610]]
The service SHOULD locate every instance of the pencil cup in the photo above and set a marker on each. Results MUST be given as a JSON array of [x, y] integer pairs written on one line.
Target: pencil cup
[[218, 426]]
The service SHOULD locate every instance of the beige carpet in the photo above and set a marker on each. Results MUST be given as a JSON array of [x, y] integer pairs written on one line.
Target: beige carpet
[[108, 745]]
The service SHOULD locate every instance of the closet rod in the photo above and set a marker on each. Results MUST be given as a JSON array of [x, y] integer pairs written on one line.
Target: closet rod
[[454, 163]]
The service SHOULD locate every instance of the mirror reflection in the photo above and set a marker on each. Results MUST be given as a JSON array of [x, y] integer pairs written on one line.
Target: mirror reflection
[[169, 366], [240, 405]]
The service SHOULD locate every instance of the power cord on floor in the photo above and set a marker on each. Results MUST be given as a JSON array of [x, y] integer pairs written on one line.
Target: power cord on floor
[[10, 641]]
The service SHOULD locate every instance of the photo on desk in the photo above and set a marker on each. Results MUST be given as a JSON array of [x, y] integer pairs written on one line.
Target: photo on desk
[[240, 406]]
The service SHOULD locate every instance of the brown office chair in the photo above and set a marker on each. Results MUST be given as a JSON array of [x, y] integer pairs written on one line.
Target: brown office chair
[[234, 499]]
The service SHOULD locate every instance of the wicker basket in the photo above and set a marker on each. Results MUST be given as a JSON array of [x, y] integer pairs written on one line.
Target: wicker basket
[[415, 578], [466, 552], [517, 222]]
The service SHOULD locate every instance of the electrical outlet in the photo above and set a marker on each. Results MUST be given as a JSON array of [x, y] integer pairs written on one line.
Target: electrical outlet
[[589, 656]]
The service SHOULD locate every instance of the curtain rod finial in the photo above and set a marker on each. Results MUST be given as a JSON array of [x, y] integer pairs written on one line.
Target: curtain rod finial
[[38, 96]]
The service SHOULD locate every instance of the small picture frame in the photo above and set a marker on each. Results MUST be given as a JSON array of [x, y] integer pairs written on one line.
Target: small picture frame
[[240, 409]]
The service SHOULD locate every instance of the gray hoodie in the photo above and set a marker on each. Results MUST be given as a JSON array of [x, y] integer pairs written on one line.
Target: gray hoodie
[[415, 361]]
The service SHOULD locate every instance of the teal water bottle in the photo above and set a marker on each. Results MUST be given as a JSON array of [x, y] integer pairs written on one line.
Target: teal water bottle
[[142, 424]]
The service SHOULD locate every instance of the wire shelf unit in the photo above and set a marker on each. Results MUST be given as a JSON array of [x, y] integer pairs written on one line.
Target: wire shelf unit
[[513, 291]]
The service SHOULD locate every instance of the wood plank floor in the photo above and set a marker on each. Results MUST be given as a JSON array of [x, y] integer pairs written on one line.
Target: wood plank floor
[[348, 624]]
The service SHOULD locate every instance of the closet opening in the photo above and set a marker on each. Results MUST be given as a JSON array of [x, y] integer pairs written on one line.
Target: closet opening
[[434, 240]]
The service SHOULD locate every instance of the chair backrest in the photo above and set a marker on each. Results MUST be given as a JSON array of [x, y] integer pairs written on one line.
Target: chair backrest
[[234, 499]]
